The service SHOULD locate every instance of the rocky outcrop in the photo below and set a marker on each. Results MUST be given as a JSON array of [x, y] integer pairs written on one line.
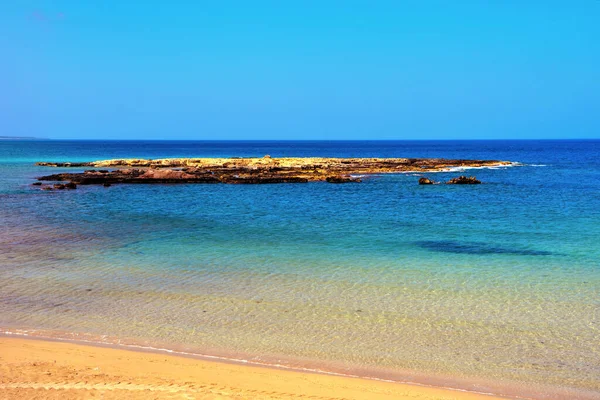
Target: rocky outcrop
[[252, 170], [464, 180], [342, 165]]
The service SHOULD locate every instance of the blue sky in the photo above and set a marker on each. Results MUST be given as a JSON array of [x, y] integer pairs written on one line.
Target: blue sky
[[300, 69]]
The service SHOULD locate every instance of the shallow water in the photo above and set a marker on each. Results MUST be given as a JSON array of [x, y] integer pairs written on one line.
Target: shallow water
[[497, 282]]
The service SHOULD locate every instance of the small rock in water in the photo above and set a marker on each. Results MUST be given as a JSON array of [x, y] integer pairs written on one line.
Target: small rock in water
[[464, 180], [37, 183], [106, 184], [71, 185], [59, 186], [426, 181]]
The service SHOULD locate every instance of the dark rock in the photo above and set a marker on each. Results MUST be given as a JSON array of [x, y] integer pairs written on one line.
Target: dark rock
[[47, 188], [53, 177], [464, 180], [59, 186], [106, 184], [342, 179], [71, 185], [426, 181], [37, 183]]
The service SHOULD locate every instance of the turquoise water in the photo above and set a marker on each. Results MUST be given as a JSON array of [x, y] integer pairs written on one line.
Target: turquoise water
[[493, 287]]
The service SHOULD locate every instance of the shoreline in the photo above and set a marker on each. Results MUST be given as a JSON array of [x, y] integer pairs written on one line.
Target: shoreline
[[32, 366], [457, 386]]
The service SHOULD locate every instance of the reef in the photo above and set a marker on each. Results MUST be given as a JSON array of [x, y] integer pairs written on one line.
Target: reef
[[250, 170]]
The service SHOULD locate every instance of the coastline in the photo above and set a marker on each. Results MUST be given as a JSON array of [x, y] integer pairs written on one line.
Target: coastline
[[407, 384], [65, 370]]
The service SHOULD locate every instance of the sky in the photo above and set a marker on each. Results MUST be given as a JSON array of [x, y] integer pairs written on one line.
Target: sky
[[288, 70]]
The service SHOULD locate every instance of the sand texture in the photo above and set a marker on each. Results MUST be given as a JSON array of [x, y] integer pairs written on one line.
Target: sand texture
[[35, 369]]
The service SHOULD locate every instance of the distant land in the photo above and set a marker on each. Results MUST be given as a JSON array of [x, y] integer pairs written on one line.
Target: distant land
[[21, 138]]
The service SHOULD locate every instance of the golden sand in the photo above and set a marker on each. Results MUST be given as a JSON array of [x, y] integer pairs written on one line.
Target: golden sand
[[37, 369]]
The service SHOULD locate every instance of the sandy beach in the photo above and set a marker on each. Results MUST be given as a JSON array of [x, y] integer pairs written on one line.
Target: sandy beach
[[37, 369]]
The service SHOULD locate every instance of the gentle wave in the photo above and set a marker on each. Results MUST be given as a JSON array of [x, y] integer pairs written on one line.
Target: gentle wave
[[459, 169]]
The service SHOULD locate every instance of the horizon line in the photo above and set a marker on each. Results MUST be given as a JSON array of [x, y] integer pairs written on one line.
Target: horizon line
[[24, 138]]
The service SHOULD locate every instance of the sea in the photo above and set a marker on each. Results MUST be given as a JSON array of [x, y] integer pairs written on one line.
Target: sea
[[491, 288]]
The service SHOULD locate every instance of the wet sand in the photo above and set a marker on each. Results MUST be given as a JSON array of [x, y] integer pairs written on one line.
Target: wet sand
[[38, 369]]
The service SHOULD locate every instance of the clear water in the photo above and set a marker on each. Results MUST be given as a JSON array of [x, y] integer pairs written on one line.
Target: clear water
[[497, 284]]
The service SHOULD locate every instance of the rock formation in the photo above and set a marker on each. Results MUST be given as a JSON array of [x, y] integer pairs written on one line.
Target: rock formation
[[253, 170]]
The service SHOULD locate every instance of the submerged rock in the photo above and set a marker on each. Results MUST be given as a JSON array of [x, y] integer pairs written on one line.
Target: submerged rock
[[464, 180], [262, 179]]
